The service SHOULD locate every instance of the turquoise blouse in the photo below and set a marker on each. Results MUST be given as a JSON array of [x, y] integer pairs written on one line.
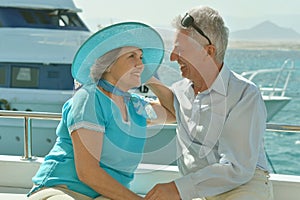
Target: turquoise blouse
[[123, 141]]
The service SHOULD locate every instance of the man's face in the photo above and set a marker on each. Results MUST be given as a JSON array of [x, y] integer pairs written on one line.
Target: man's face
[[190, 56]]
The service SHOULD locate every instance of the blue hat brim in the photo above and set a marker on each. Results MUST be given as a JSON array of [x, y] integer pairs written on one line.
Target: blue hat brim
[[134, 34]]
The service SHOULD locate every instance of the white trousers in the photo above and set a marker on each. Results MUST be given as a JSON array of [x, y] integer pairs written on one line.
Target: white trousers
[[258, 188], [60, 192]]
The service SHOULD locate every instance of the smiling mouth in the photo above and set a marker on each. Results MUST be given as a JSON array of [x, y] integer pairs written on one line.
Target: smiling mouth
[[138, 74]]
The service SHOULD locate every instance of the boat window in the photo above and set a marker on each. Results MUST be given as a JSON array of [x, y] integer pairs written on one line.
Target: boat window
[[31, 18], [24, 77], [53, 74], [43, 18], [69, 19], [32, 75], [56, 77], [2, 75], [64, 20]]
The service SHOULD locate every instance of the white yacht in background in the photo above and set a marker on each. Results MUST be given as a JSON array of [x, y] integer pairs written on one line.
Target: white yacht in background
[[273, 93], [39, 39]]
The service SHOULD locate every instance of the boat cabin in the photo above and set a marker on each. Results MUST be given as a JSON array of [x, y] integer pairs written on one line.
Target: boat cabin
[[41, 40]]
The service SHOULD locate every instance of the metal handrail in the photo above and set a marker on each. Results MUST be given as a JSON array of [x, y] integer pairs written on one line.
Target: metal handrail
[[287, 66], [33, 115], [283, 128], [27, 116]]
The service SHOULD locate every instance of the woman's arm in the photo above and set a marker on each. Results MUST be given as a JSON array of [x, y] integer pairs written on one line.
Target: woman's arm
[[87, 146], [164, 107], [163, 115]]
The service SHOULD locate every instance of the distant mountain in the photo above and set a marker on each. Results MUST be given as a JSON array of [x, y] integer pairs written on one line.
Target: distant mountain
[[266, 31]]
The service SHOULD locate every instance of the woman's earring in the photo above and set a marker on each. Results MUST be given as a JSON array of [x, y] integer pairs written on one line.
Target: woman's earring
[[108, 69]]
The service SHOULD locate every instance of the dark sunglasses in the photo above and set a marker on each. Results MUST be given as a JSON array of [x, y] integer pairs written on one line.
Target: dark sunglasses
[[188, 21]]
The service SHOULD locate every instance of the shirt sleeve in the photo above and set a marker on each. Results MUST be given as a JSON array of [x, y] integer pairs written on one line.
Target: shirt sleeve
[[83, 111], [239, 146]]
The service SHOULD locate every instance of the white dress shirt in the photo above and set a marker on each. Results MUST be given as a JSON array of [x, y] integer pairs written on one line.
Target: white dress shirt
[[219, 135]]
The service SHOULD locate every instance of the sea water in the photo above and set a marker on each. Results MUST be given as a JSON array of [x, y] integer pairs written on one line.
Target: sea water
[[283, 149]]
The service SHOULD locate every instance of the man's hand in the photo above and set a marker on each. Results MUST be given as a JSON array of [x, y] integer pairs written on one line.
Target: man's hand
[[163, 191]]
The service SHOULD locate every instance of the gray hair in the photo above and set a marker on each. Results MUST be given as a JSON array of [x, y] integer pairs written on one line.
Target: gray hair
[[212, 24], [102, 63]]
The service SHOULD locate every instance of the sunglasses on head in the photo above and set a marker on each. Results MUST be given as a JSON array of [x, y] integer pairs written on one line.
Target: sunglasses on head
[[188, 21]]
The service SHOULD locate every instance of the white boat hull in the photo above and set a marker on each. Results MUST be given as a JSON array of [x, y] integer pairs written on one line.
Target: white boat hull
[[274, 105], [37, 100]]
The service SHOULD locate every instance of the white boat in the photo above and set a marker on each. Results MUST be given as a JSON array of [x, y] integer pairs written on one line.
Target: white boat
[[273, 93], [39, 39], [157, 165]]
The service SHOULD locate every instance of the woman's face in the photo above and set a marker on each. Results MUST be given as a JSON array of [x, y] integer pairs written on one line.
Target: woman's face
[[126, 71]]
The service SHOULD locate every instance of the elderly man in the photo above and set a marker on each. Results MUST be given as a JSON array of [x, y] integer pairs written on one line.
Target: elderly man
[[221, 118]]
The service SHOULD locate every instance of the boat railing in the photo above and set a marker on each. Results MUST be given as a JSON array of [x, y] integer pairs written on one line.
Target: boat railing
[[28, 116], [281, 81]]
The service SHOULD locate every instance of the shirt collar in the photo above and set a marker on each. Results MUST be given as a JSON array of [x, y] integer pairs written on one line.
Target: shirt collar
[[220, 85]]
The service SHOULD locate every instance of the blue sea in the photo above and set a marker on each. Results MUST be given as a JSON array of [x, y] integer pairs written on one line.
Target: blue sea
[[283, 149]]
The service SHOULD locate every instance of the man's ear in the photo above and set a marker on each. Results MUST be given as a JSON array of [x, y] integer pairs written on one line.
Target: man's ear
[[211, 50]]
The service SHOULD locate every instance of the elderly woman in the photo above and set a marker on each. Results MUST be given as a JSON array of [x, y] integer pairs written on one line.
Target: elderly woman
[[101, 136]]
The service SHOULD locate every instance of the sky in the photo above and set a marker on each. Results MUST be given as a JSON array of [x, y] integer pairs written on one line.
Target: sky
[[238, 14]]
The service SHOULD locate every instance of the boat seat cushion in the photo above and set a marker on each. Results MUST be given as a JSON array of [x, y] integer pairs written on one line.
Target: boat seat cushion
[[9, 196]]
